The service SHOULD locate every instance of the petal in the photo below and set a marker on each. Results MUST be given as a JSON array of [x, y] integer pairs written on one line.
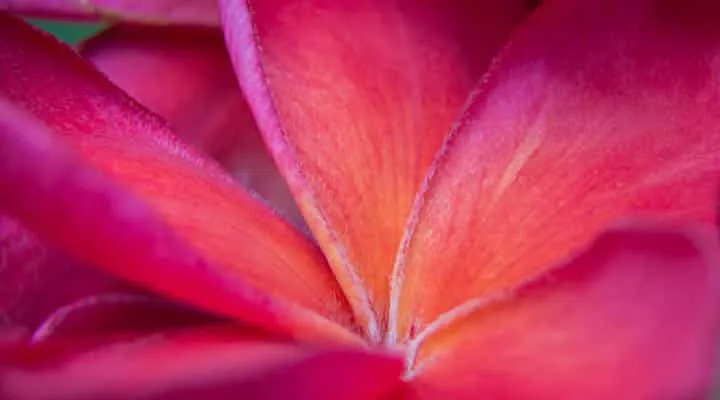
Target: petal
[[353, 100], [574, 129], [112, 314], [184, 75], [637, 314], [195, 12], [36, 279], [219, 363], [45, 293], [129, 198]]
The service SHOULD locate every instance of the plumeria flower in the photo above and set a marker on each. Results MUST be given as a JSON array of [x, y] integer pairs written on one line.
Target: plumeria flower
[[495, 199]]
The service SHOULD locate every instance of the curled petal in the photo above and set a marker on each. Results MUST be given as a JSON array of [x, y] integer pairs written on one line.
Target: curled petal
[[574, 129], [635, 315], [116, 314], [216, 363], [36, 279]]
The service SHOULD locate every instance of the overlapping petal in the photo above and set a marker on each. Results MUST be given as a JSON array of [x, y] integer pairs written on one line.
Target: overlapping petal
[[596, 111], [111, 184], [635, 316], [111, 314], [354, 99], [184, 75], [37, 279], [194, 12], [211, 362]]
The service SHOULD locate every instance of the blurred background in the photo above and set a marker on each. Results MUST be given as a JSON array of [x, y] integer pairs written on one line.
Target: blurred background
[[68, 32]]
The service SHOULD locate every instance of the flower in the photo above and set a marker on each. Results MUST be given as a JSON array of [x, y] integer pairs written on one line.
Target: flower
[[557, 243]]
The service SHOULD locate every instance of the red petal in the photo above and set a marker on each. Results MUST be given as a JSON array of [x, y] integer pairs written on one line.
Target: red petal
[[36, 279], [111, 314], [635, 316], [160, 190], [45, 293], [354, 100], [184, 75], [215, 364], [597, 110], [197, 12]]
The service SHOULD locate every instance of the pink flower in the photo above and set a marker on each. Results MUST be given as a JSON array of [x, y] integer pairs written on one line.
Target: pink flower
[[551, 236]]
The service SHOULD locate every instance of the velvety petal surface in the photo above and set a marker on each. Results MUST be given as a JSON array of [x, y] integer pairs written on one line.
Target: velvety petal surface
[[194, 12], [126, 196], [635, 317], [595, 111], [212, 363], [354, 98], [184, 75], [37, 279]]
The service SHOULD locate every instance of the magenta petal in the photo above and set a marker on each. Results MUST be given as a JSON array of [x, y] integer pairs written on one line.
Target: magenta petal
[[44, 293], [636, 315], [184, 75], [86, 210], [36, 279], [216, 363], [111, 314], [595, 111], [197, 12], [130, 198]]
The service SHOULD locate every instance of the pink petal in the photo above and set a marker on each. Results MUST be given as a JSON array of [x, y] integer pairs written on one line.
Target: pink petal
[[45, 293], [354, 99], [184, 75], [127, 197], [195, 12], [597, 110], [634, 317], [112, 314], [36, 279], [217, 364]]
